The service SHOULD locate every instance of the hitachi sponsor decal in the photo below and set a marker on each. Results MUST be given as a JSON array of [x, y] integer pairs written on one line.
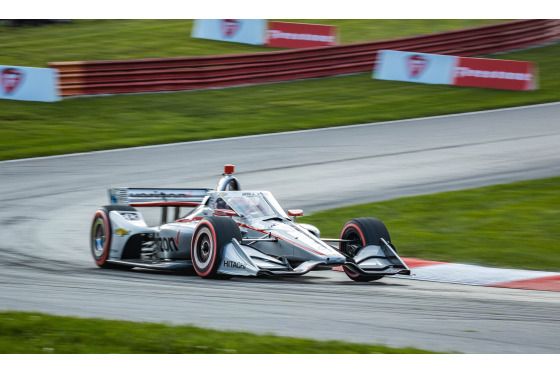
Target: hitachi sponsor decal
[[277, 34], [233, 264], [466, 72]]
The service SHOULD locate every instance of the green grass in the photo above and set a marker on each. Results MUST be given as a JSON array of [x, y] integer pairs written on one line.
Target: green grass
[[29, 129], [86, 40], [513, 225], [94, 123], [40, 333]]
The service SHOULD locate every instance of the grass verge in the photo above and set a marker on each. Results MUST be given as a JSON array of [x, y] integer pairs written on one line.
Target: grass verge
[[32, 129], [39, 333], [110, 39], [512, 225]]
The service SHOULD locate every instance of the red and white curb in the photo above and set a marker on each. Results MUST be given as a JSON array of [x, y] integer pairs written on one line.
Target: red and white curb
[[475, 275]]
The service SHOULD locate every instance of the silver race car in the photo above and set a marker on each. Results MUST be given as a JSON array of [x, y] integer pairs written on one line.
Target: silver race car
[[233, 232]]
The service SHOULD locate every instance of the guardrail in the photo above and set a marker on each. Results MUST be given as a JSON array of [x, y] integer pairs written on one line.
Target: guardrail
[[189, 73]]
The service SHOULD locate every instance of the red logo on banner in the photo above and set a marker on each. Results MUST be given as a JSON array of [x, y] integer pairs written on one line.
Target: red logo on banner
[[230, 27], [503, 74], [299, 35], [416, 64], [11, 78]]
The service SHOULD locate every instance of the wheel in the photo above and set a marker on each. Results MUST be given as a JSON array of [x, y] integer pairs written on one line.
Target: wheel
[[101, 234], [209, 239], [362, 232]]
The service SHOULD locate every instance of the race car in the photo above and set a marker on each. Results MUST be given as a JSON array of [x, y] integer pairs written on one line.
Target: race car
[[233, 232]]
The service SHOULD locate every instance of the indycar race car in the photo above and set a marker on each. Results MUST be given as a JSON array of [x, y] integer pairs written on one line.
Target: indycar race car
[[233, 232]]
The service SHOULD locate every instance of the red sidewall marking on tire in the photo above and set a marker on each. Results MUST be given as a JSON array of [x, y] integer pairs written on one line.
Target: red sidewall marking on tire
[[214, 252], [348, 272], [354, 226], [107, 243]]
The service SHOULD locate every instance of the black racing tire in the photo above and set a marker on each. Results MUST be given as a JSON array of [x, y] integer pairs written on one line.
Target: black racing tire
[[209, 239], [101, 234], [362, 231]]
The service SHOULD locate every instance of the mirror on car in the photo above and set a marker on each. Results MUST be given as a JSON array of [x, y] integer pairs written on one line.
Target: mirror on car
[[295, 213]]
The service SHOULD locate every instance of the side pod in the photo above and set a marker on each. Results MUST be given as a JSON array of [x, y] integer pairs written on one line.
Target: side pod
[[236, 262], [126, 226], [239, 259]]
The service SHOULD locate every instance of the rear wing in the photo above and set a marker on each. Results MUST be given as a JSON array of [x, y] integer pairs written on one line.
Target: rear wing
[[158, 197], [171, 197]]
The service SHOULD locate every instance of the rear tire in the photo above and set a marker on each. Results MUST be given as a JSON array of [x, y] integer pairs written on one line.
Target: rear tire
[[101, 235], [209, 239], [362, 232]]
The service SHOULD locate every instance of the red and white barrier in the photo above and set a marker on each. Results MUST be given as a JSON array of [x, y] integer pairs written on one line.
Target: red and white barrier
[[458, 71], [475, 275], [300, 35]]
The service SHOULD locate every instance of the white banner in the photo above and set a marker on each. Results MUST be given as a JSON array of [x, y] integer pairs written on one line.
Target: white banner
[[248, 31], [30, 84], [414, 67]]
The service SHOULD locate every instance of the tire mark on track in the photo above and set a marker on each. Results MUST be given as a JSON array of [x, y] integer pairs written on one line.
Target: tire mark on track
[[342, 160]]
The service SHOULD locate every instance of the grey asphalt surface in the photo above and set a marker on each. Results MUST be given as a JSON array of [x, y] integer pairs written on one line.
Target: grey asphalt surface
[[46, 206]]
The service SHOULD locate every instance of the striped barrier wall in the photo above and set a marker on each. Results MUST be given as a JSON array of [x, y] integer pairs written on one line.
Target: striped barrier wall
[[188, 73]]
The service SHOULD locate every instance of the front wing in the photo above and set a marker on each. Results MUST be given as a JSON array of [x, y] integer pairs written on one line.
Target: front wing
[[242, 260]]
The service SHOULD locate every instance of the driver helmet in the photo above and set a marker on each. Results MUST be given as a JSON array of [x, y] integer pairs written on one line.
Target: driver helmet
[[221, 204]]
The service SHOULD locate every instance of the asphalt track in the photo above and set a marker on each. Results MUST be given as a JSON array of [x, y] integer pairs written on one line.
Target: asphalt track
[[46, 206]]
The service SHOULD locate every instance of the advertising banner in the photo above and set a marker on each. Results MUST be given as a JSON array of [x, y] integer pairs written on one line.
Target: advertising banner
[[414, 67], [30, 84], [453, 70], [248, 31], [300, 35], [502, 74]]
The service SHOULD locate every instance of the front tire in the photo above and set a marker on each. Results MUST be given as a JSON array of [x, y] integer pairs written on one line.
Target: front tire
[[362, 232], [209, 239], [101, 235]]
